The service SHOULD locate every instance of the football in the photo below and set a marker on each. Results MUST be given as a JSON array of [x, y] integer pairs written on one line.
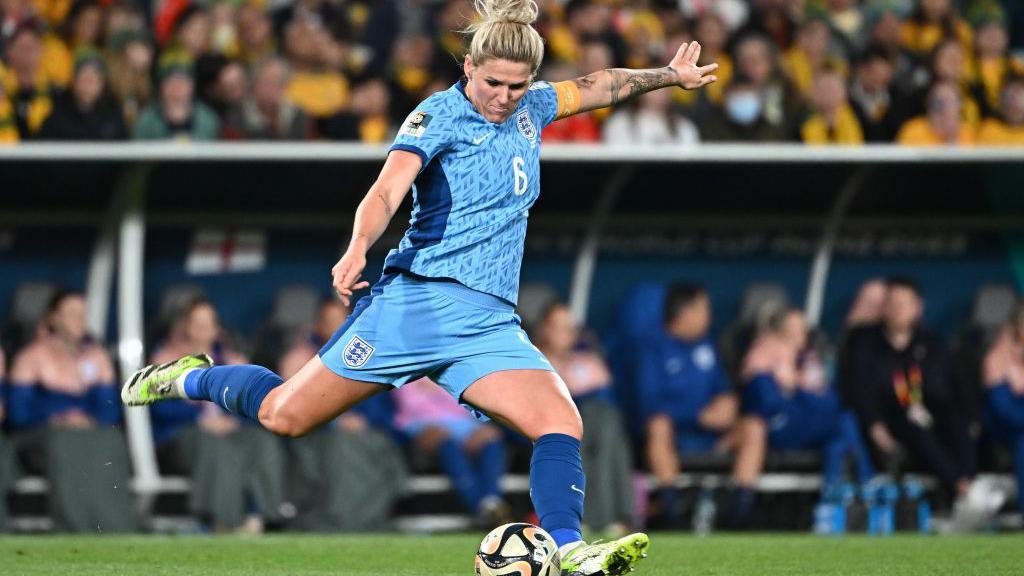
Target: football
[[518, 549]]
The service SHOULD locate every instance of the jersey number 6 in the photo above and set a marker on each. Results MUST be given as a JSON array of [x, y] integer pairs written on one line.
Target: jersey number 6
[[521, 180]]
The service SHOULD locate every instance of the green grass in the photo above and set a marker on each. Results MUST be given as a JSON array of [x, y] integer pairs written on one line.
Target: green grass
[[388, 555]]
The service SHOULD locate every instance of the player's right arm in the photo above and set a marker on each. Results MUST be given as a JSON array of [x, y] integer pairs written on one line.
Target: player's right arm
[[372, 218]]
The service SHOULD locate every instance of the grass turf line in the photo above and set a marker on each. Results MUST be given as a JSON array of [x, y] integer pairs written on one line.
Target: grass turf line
[[448, 555]]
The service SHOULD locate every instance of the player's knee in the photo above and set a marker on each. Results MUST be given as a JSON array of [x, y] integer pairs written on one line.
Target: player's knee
[[279, 418], [566, 422]]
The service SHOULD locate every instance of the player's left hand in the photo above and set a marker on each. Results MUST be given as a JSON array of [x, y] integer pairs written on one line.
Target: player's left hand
[[690, 76]]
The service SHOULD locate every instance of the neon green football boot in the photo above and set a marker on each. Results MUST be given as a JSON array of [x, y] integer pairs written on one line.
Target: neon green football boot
[[156, 381], [606, 558]]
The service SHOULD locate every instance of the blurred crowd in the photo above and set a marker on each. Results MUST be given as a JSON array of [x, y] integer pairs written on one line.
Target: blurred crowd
[[889, 399], [917, 72]]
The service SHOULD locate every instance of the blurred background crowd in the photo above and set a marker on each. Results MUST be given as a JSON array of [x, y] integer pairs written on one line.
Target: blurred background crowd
[[917, 72]]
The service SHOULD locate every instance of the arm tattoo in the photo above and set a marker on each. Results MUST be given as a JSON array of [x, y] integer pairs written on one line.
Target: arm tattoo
[[387, 207], [638, 82], [585, 82]]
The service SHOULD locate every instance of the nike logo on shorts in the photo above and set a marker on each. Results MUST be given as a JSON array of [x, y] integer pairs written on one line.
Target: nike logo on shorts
[[575, 489]]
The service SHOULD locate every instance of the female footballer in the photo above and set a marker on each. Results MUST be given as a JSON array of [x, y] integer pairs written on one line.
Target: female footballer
[[444, 306]]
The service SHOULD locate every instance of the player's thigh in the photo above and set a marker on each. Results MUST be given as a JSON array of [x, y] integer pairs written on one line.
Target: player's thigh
[[533, 402], [310, 398]]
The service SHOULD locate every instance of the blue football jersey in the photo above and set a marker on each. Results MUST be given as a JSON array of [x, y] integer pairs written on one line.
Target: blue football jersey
[[472, 197]]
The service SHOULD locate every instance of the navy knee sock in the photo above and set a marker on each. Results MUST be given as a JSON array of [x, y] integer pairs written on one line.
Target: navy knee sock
[[557, 485], [238, 389]]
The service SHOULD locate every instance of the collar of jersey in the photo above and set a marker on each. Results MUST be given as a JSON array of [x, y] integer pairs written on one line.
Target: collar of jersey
[[461, 87]]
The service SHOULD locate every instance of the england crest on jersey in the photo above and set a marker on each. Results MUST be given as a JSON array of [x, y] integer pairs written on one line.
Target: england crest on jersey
[[357, 352], [525, 125]]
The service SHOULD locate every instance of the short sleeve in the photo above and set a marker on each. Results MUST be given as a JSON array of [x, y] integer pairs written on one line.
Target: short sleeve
[[427, 131], [543, 102]]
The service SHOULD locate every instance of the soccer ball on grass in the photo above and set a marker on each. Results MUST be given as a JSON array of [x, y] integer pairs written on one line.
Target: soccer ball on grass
[[518, 549]]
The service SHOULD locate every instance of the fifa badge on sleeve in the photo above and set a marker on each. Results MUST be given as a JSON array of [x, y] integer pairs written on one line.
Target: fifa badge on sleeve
[[416, 124]]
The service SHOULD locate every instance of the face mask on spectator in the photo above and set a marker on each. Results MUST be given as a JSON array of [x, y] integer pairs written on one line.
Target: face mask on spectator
[[743, 108]]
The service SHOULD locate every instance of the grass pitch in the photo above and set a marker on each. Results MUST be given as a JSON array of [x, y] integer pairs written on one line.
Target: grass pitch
[[392, 555]]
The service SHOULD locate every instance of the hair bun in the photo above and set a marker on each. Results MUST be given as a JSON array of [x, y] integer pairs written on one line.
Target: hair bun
[[516, 11]]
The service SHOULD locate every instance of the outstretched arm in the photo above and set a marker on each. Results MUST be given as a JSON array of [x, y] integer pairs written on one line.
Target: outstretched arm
[[615, 85], [372, 218]]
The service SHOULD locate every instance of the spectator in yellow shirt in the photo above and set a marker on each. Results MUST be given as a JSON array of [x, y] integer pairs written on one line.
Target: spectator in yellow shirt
[[713, 36], [255, 34], [810, 54], [8, 129], [1008, 129], [26, 82], [832, 120], [81, 31], [943, 123], [931, 22], [951, 64], [316, 88], [992, 62], [129, 60]]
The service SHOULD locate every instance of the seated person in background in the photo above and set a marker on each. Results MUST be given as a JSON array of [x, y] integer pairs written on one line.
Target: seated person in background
[[1003, 374], [832, 120], [346, 475], [63, 378], [86, 111], [872, 94], [607, 455], [436, 424], [64, 400], [863, 318], [177, 114], [904, 397], [219, 450], [786, 397], [942, 124], [741, 117], [1008, 128], [265, 114], [651, 121], [27, 84], [685, 395]]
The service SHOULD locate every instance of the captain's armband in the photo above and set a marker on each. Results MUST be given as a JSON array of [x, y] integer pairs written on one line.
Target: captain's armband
[[568, 98]]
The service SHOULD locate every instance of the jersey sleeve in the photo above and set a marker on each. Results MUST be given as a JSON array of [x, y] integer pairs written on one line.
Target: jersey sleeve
[[427, 131]]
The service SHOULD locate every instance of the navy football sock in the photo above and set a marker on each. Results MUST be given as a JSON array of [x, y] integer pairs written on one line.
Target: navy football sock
[[557, 486], [238, 389]]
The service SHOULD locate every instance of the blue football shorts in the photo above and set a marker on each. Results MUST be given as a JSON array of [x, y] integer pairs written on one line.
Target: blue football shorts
[[409, 327]]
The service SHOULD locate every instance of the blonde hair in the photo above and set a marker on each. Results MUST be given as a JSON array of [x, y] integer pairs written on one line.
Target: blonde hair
[[506, 32]]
